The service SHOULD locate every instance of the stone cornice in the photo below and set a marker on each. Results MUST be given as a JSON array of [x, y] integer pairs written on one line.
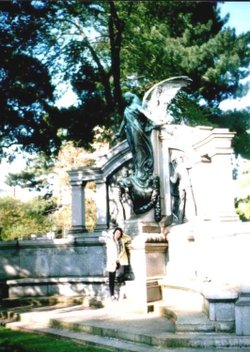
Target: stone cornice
[[106, 165]]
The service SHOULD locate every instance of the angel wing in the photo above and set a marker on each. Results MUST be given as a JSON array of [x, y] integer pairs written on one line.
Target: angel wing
[[157, 99]]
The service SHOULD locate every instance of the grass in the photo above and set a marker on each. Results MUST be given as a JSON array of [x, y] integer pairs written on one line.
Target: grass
[[16, 341]]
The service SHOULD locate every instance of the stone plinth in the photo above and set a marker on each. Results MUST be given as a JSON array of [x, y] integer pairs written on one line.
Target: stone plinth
[[212, 251], [148, 264], [221, 307], [242, 314], [182, 256]]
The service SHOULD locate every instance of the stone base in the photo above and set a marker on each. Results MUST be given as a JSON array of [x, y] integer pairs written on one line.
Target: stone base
[[64, 286], [143, 297], [135, 227], [153, 291], [242, 314], [148, 252], [77, 230], [220, 306]]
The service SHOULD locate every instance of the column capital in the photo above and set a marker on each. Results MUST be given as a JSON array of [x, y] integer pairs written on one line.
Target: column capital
[[77, 183]]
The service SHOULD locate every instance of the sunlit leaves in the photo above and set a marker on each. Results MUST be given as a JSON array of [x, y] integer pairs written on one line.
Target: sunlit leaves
[[18, 220]]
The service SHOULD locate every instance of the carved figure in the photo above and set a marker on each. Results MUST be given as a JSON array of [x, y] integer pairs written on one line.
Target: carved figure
[[138, 130], [140, 118], [183, 205], [157, 99]]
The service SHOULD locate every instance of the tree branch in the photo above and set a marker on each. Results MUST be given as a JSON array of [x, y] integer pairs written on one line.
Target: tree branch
[[116, 27]]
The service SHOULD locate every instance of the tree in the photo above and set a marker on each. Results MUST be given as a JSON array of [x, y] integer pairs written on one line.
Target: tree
[[26, 93], [239, 122], [36, 176], [242, 202], [98, 46], [18, 220], [51, 179], [71, 157]]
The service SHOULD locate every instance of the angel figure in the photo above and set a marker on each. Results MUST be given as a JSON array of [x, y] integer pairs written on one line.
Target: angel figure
[[140, 118], [138, 129], [157, 99]]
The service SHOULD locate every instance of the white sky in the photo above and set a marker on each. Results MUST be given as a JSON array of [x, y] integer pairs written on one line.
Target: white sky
[[239, 19]]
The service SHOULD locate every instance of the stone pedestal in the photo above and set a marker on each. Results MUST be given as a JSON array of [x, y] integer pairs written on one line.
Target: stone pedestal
[[220, 305], [242, 314], [182, 255], [148, 253]]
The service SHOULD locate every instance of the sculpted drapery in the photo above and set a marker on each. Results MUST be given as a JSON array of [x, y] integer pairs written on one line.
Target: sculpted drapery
[[139, 119]]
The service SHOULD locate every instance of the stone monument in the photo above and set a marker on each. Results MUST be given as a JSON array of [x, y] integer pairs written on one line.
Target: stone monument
[[170, 187]]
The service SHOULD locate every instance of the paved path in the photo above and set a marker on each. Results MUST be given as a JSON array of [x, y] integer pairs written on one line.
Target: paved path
[[114, 328]]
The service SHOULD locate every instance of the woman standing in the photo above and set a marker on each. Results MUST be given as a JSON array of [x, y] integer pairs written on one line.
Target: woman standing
[[117, 258]]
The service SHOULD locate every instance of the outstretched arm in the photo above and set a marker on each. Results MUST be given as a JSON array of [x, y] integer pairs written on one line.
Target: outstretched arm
[[118, 134]]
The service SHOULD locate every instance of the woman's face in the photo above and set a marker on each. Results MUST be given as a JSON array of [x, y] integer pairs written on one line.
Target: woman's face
[[128, 98], [117, 235]]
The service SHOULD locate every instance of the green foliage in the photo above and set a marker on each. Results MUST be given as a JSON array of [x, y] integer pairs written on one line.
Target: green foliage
[[186, 110], [71, 157], [18, 220], [238, 122], [243, 208], [15, 341], [96, 47], [35, 176], [242, 203]]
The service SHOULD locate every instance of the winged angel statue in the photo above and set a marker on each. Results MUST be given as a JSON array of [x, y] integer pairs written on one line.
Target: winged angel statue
[[140, 118]]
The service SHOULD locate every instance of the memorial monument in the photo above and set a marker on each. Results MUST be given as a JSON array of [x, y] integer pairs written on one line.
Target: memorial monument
[[170, 187]]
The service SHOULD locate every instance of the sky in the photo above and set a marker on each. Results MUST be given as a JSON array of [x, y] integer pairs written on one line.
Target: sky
[[239, 19], [239, 12]]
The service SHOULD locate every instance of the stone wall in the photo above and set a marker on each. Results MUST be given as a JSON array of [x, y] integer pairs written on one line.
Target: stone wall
[[46, 267]]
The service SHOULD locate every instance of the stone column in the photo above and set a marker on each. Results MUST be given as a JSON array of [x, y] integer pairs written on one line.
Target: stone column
[[101, 205], [148, 265], [78, 207], [211, 175], [214, 181], [242, 314], [224, 201], [164, 172]]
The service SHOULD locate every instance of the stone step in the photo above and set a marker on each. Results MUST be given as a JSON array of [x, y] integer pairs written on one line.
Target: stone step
[[193, 322], [186, 305], [139, 343], [200, 307], [112, 344], [114, 324], [188, 321], [30, 308], [41, 301]]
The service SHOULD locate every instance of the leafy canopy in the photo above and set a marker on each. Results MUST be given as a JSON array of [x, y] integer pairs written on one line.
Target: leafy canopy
[[18, 220], [102, 49]]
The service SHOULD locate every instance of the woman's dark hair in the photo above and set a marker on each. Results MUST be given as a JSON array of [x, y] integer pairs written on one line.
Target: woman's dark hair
[[119, 229]]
